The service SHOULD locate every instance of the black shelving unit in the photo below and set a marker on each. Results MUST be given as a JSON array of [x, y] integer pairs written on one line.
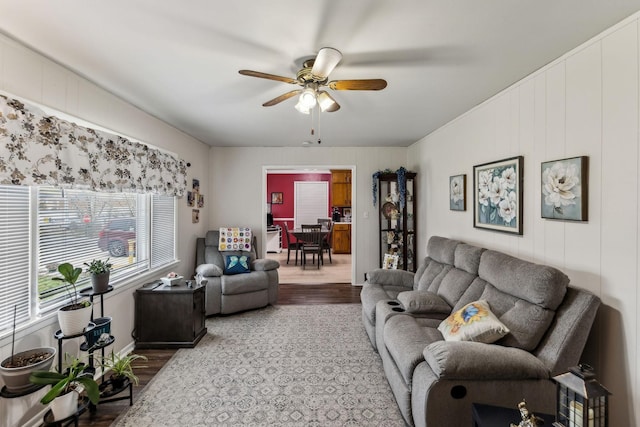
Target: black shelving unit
[[397, 222]]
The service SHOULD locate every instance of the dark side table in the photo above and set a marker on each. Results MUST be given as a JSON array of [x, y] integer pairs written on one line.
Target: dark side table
[[169, 316], [492, 416]]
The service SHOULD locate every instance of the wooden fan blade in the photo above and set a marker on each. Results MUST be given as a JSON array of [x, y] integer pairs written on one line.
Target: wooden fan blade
[[268, 76], [367, 84], [281, 98]]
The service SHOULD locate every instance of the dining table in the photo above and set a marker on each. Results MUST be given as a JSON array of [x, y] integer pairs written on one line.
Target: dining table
[[304, 236]]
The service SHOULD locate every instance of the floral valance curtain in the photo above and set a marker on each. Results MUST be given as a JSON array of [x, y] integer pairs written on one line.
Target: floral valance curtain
[[38, 149]]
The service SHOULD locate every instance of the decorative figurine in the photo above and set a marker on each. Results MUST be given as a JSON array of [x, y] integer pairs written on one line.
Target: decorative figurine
[[528, 419]]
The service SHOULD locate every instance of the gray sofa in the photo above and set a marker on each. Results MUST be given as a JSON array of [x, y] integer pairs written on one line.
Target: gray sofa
[[435, 381], [227, 294]]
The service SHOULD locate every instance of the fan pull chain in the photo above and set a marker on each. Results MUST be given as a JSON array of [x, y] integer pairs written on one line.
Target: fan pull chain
[[319, 140]]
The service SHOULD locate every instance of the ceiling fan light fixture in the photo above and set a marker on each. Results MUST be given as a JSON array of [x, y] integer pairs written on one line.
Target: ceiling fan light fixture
[[308, 98], [302, 108], [325, 101], [325, 62]]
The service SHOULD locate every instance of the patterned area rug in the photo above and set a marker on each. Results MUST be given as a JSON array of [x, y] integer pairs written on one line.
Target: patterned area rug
[[290, 365]]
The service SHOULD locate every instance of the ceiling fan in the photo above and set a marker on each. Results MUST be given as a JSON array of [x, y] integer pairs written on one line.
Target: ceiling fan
[[314, 77]]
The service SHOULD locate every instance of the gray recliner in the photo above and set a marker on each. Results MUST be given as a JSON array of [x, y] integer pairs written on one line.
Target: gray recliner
[[227, 294]]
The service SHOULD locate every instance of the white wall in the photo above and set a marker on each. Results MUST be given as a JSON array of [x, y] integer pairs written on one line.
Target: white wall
[[585, 103], [236, 179], [30, 76]]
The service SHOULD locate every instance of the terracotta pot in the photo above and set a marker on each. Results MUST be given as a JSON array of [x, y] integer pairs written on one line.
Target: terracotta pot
[[74, 322], [100, 282], [17, 379]]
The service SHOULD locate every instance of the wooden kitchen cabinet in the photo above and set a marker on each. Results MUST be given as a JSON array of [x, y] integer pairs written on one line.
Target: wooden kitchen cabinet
[[341, 238], [169, 316], [341, 188]]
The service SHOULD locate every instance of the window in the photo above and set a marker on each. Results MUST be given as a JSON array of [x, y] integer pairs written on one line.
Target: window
[[43, 227]]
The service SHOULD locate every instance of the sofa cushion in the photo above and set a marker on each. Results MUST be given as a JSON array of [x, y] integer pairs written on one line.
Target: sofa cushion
[[405, 340], [243, 283], [467, 258], [442, 249], [473, 322], [535, 283], [527, 322], [454, 284], [234, 264], [432, 276], [423, 302], [209, 270]]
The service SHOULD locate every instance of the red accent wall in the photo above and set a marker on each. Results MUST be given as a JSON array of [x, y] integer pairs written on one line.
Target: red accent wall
[[284, 182]]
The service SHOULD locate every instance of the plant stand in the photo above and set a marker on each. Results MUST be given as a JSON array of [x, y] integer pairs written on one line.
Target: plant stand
[[107, 391], [61, 337]]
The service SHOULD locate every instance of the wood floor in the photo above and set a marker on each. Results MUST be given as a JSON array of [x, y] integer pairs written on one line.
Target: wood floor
[[339, 293]]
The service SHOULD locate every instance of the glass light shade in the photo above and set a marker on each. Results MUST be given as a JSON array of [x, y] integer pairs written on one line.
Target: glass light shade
[[308, 98], [325, 102], [302, 108], [325, 62]]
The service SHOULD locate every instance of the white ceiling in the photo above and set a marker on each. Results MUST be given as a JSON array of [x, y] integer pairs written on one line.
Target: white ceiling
[[179, 60]]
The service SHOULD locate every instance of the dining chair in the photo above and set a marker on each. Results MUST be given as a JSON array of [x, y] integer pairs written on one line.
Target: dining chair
[[312, 243], [327, 241], [291, 245]]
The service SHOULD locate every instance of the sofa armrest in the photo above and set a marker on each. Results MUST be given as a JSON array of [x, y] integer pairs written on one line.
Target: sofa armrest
[[423, 302], [264, 264], [466, 360], [209, 270], [383, 276]]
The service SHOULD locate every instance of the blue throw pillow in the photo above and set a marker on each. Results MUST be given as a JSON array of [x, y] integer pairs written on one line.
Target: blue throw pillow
[[234, 264]]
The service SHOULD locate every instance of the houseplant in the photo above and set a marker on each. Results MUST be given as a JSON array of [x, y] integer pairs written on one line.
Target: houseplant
[[16, 369], [121, 368], [64, 392], [75, 316], [99, 274]]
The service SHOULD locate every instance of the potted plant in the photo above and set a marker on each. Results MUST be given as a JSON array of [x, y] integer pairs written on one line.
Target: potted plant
[[75, 316], [16, 369], [64, 392], [99, 274], [121, 368]]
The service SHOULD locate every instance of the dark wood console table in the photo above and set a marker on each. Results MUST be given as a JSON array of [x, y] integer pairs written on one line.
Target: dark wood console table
[[169, 316]]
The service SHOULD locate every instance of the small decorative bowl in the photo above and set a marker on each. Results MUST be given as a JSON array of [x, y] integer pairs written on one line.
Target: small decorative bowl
[[171, 281]]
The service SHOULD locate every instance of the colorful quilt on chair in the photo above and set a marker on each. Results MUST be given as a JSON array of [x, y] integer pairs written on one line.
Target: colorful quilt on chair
[[235, 239]]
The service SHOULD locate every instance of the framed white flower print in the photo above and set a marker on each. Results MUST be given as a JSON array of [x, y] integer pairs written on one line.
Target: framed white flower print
[[457, 192], [497, 195], [565, 189]]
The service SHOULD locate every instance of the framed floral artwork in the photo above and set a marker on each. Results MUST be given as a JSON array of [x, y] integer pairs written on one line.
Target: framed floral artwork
[[564, 189], [497, 195], [457, 192]]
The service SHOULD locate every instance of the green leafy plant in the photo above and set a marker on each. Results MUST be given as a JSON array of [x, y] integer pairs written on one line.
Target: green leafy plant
[[63, 383], [121, 366], [98, 266], [70, 275]]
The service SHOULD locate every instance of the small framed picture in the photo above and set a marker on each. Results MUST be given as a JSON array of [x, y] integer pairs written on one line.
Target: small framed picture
[[565, 189], [497, 195], [457, 193], [276, 198], [390, 261]]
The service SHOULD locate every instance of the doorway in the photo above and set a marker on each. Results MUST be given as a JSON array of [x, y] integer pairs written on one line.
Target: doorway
[[280, 183]]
